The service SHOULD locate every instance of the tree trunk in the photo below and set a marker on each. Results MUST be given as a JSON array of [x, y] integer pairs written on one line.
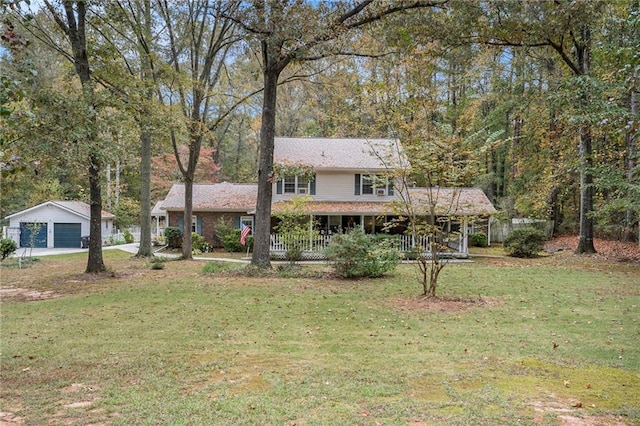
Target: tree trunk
[[261, 234], [631, 164], [95, 262], [188, 219], [585, 243], [108, 197], [75, 28], [117, 186], [144, 250]]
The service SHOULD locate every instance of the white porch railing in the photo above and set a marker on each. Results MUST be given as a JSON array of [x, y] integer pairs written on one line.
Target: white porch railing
[[313, 247], [304, 243]]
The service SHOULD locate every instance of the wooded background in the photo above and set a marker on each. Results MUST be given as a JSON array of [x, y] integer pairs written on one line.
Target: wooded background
[[534, 102]]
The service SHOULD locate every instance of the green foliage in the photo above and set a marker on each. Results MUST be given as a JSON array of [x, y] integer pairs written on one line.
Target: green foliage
[[524, 242], [356, 254], [157, 264], [229, 236], [294, 228], [115, 240], [300, 170], [231, 242], [197, 243], [7, 247], [173, 236], [222, 228], [127, 212], [478, 240], [128, 236]]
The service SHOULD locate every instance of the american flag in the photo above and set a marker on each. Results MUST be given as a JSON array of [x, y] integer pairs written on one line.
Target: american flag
[[246, 230]]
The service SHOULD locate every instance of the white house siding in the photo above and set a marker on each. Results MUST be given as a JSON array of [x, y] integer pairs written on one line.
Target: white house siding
[[50, 214], [336, 186]]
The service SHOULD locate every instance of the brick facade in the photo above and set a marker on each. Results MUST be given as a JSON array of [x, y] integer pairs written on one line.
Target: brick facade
[[209, 221]]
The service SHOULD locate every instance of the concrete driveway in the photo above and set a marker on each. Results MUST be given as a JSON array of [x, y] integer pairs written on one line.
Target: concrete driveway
[[37, 252], [129, 248]]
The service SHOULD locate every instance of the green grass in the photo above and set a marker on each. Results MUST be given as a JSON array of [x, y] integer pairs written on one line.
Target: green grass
[[194, 344]]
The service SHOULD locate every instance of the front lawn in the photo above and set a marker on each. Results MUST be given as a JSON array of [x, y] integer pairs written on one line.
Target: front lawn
[[512, 341]]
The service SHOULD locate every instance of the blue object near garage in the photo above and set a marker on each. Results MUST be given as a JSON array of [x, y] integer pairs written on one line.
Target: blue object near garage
[[67, 235], [33, 234]]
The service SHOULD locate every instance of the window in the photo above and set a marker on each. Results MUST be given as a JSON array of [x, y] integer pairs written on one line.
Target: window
[[303, 185], [373, 184], [290, 184], [296, 185], [247, 221], [367, 184], [194, 223]]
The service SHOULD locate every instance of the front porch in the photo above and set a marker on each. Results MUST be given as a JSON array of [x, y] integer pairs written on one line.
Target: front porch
[[313, 248]]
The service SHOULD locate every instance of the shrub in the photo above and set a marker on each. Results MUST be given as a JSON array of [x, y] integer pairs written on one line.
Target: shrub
[[197, 242], [173, 237], [231, 242], [115, 239], [479, 240], [294, 228], [524, 242], [128, 236], [229, 236], [157, 265], [7, 247], [356, 254]]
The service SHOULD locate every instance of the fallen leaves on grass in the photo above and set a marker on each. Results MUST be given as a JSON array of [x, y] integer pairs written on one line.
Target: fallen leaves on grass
[[607, 250]]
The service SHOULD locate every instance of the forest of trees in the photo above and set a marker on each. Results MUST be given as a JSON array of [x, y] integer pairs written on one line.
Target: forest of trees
[[534, 102]]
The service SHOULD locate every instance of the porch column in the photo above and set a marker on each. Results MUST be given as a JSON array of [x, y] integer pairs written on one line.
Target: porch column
[[310, 248], [465, 236]]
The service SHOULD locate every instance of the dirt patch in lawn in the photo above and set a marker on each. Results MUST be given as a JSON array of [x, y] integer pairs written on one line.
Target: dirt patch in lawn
[[568, 413], [25, 295], [441, 304], [10, 419]]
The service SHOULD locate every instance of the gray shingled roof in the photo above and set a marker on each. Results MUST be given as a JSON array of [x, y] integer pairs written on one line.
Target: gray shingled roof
[[241, 197], [223, 196], [449, 201], [339, 154], [453, 201], [78, 207], [340, 208], [82, 208]]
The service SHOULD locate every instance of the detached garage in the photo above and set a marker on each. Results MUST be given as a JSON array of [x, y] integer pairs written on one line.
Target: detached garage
[[55, 224]]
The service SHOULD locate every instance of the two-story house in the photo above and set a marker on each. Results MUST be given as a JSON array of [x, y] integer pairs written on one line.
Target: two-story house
[[349, 183]]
